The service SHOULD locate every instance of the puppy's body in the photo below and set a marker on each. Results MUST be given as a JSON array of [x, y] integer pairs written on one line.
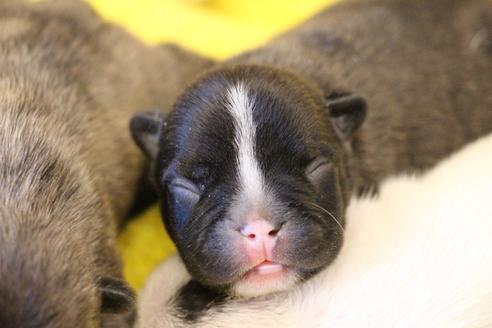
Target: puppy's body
[[257, 160], [68, 85], [424, 68], [417, 255]]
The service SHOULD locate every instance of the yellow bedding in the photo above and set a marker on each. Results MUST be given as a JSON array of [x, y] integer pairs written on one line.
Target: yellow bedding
[[215, 28]]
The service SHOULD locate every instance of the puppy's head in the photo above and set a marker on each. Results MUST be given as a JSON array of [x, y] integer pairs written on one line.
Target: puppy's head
[[250, 170]]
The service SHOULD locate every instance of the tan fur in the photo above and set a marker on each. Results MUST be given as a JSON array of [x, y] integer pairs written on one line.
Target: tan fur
[[68, 85]]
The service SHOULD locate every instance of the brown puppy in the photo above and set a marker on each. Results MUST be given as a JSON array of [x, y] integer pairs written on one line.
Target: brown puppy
[[69, 83], [257, 160]]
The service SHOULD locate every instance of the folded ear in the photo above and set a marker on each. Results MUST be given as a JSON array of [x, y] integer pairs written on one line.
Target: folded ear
[[146, 129], [346, 113], [116, 295]]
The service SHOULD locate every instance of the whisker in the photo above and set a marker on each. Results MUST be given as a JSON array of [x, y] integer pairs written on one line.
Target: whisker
[[329, 213]]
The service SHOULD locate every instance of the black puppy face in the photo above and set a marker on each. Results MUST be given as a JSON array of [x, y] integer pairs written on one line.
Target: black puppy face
[[250, 173]]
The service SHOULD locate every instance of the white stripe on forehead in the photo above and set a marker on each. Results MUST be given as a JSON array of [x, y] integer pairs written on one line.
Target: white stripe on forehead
[[240, 104]]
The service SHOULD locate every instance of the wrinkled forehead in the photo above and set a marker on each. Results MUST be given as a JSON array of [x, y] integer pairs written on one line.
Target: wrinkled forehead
[[223, 122]]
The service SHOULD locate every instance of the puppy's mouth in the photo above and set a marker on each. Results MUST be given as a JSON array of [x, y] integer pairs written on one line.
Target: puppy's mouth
[[266, 269], [265, 278]]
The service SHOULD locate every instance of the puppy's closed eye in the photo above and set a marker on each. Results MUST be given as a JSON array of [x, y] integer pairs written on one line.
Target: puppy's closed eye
[[318, 171], [183, 196]]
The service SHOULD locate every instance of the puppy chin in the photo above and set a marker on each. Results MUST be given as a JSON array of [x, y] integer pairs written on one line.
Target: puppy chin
[[264, 281]]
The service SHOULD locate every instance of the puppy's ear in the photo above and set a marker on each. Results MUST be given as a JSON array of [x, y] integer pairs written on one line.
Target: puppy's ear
[[116, 295], [146, 129], [346, 113]]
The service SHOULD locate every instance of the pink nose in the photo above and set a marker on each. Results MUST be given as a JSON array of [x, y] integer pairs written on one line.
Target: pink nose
[[258, 230], [261, 238]]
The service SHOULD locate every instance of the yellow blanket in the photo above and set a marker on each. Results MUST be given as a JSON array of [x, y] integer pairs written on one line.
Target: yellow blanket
[[215, 28]]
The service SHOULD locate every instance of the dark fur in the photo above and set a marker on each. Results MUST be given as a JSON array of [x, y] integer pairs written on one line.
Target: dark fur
[[424, 70], [193, 153], [193, 299], [68, 85], [417, 63]]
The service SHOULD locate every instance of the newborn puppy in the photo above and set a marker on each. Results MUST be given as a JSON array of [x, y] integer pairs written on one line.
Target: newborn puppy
[[417, 255], [69, 84], [256, 161]]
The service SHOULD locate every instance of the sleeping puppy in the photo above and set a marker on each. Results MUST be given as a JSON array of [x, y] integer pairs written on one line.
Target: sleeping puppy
[[69, 84], [256, 162], [417, 255]]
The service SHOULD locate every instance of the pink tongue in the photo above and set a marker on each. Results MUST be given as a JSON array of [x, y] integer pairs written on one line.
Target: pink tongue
[[268, 268]]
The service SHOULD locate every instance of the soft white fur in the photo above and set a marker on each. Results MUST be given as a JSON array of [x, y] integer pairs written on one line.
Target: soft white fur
[[240, 105], [418, 255]]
